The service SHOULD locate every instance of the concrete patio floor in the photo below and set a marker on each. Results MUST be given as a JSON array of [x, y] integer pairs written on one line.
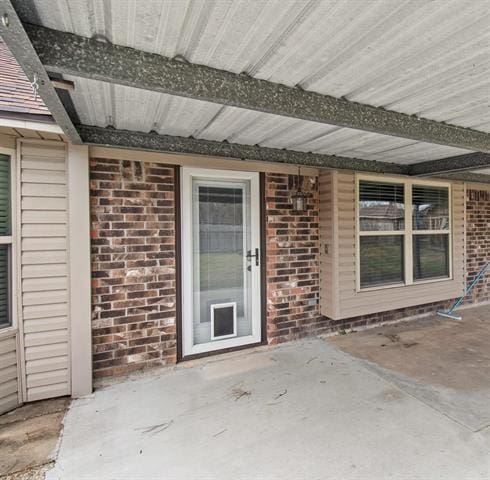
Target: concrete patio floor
[[305, 410], [442, 362]]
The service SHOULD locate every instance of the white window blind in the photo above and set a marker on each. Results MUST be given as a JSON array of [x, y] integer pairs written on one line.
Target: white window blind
[[404, 230], [430, 221], [5, 242]]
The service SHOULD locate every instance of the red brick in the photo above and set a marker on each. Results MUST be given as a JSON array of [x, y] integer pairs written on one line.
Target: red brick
[[126, 270]]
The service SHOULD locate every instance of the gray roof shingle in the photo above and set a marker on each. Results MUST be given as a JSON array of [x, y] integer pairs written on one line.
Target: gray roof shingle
[[16, 93]]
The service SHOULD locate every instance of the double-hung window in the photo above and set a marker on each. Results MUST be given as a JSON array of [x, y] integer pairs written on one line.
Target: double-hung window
[[5, 243], [404, 232], [431, 232]]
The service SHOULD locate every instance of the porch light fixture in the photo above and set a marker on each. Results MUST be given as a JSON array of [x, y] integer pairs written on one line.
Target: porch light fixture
[[298, 198]]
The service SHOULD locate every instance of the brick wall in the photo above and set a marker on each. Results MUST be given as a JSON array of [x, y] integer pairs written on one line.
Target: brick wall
[[329, 326], [133, 265], [478, 241], [293, 270], [292, 260]]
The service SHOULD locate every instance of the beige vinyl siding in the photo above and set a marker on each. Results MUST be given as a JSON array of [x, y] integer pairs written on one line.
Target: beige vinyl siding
[[341, 299], [44, 269], [9, 380], [327, 244]]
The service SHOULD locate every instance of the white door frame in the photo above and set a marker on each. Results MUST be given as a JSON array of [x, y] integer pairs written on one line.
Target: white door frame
[[188, 173]]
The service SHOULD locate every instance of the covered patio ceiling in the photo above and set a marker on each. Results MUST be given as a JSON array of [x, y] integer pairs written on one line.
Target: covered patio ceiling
[[386, 86]]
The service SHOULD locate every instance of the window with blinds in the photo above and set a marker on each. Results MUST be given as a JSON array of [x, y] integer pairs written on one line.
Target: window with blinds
[[5, 242], [381, 206], [404, 232], [381, 228], [430, 223], [430, 208], [381, 260]]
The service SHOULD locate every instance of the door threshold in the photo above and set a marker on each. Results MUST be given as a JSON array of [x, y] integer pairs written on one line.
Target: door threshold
[[222, 351]]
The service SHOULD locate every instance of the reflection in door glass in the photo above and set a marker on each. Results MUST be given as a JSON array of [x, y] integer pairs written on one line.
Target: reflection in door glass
[[221, 238]]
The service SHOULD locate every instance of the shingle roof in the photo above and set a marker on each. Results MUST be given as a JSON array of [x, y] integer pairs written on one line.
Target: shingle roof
[[16, 93]]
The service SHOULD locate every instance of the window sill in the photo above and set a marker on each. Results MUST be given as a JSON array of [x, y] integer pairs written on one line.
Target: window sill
[[8, 332], [404, 285], [432, 280]]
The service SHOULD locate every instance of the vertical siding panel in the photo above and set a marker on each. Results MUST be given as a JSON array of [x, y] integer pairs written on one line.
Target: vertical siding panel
[[44, 269]]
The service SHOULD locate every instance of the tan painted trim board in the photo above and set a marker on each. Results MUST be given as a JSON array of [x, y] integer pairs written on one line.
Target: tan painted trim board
[[79, 266], [7, 141], [477, 186]]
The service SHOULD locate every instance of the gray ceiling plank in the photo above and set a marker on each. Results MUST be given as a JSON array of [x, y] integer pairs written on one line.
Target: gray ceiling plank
[[71, 54]]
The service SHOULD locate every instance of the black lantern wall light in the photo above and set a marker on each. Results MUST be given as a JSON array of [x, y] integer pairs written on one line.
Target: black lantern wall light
[[299, 197]]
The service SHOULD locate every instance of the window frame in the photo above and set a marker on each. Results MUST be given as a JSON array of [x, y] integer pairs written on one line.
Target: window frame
[[12, 241], [408, 232]]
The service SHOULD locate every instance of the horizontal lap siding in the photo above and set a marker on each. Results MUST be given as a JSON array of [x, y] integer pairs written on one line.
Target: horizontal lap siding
[[344, 299], [327, 243], [9, 394], [44, 269]]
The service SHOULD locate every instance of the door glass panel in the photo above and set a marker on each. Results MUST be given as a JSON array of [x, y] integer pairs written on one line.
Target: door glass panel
[[221, 239]]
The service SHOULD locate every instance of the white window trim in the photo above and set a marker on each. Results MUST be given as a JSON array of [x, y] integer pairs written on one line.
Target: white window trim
[[408, 232], [11, 240]]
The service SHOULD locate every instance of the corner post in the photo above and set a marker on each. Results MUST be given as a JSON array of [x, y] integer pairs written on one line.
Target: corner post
[[79, 267]]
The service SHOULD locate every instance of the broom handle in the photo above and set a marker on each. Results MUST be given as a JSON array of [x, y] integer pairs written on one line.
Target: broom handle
[[468, 289], [477, 278]]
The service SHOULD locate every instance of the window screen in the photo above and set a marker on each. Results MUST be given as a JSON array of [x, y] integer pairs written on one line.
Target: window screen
[[430, 256], [5, 320], [5, 246], [430, 208], [394, 251], [381, 260], [381, 206], [381, 209], [430, 212], [5, 208]]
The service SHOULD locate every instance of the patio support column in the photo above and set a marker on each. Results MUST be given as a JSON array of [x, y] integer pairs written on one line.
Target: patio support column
[[79, 265]]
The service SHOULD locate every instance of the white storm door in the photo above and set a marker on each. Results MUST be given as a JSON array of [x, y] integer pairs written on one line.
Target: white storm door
[[220, 260]]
